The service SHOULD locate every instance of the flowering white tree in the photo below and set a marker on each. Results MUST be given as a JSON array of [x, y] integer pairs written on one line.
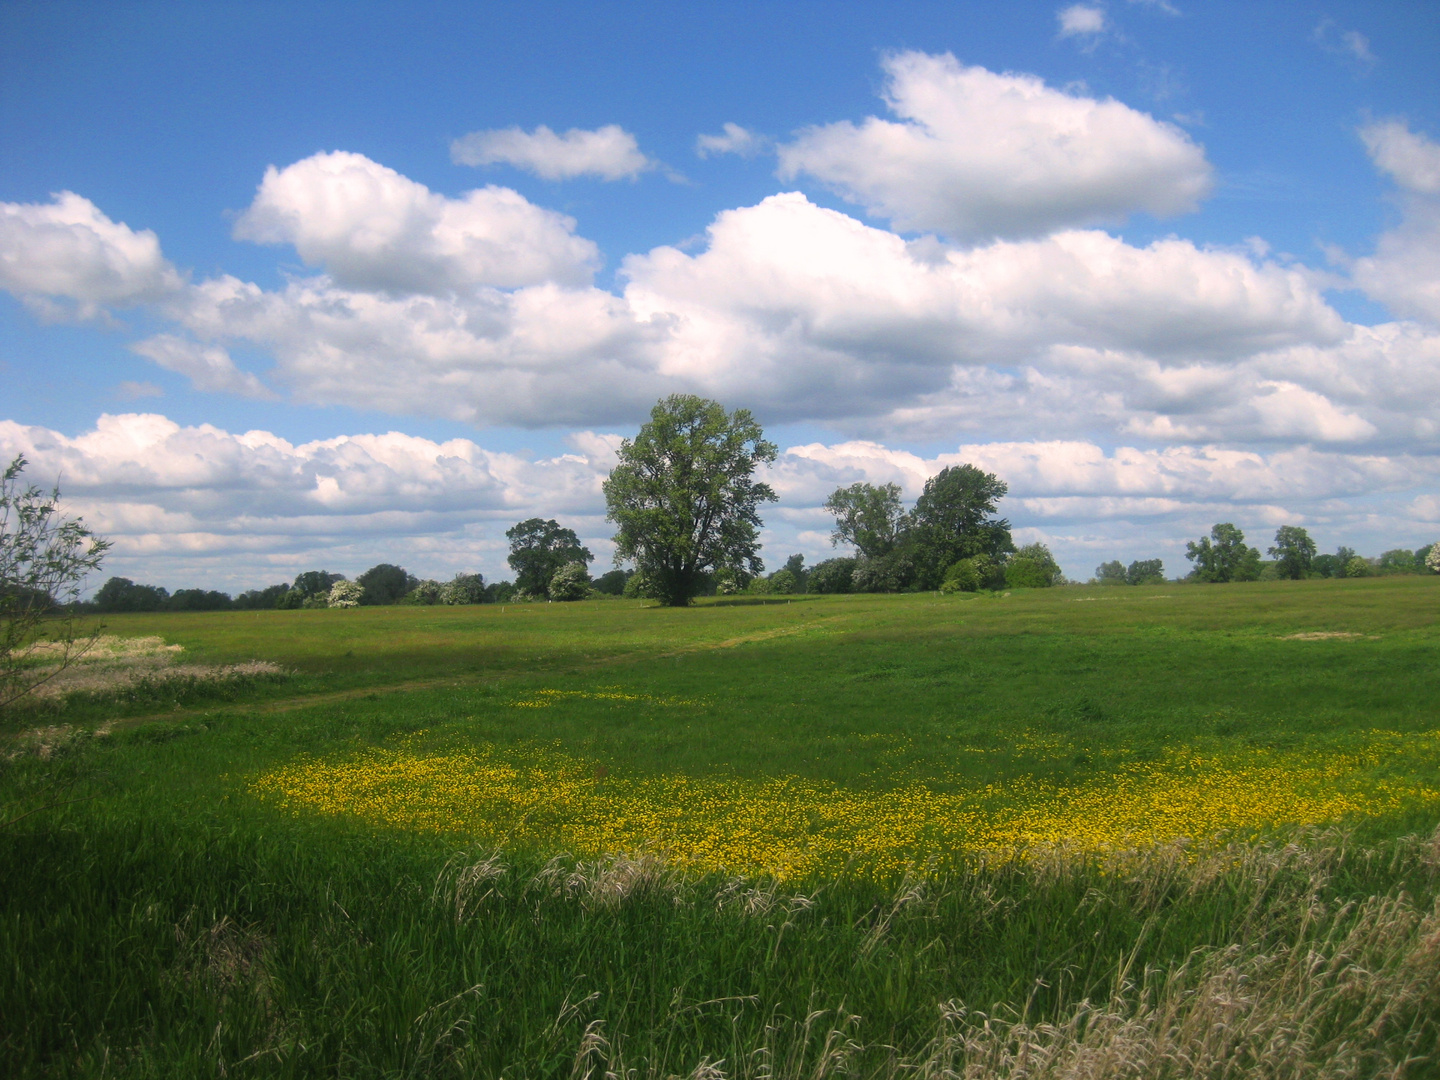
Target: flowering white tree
[[345, 594], [1432, 560]]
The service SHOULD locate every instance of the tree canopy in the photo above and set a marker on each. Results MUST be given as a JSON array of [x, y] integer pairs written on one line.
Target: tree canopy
[[1223, 556], [1293, 551], [684, 496], [540, 547], [867, 517]]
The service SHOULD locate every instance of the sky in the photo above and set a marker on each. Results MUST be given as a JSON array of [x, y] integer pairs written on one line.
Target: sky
[[289, 287]]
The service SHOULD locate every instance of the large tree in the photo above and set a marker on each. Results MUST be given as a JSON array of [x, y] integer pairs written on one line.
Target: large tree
[[1223, 556], [1293, 551], [538, 548], [952, 521], [685, 497], [867, 517]]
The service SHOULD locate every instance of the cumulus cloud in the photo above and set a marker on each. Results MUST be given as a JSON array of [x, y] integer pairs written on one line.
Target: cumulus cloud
[[198, 505], [791, 308], [1404, 272], [209, 368], [371, 228], [68, 249], [733, 139], [610, 152], [977, 154]]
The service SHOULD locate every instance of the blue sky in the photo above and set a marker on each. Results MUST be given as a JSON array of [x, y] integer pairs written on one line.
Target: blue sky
[[1281, 146]]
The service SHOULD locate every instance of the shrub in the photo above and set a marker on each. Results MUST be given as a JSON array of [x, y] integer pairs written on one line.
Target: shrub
[[1111, 573], [759, 586], [1033, 567], [612, 582], [426, 593], [833, 576], [463, 589], [887, 574], [728, 581], [384, 584], [963, 576], [571, 582], [1357, 567], [636, 587], [343, 594], [782, 582], [1432, 559], [1398, 561], [1146, 572]]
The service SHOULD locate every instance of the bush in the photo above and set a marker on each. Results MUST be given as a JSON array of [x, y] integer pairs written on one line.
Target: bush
[[1357, 567], [612, 582], [1432, 559], [782, 582], [385, 584], [963, 576], [425, 594], [343, 594], [571, 582], [636, 587], [122, 595], [1146, 572], [887, 574], [832, 576], [1398, 561], [728, 581], [253, 599], [1033, 567], [463, 589], [759, 586], [198, 600], [1111, 573]]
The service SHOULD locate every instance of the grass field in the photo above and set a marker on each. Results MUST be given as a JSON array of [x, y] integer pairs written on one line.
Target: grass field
[[1171, 830]]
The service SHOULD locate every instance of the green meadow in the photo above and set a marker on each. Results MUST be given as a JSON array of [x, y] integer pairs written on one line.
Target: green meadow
[[1169, 830]]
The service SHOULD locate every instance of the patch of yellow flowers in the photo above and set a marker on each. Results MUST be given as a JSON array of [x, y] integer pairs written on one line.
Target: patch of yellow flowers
[[791, 826]]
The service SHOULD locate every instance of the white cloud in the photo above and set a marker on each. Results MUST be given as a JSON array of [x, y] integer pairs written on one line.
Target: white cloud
[[1349, 44], [978, 154], [208, 368], [372, 228], [794, 309], [610, 152], [1404, 272], [733, 139], [68, 249], [1079, 20], [202, 506]]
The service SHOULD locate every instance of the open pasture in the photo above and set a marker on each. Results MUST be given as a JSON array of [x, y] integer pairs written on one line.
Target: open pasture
[[810, 837]]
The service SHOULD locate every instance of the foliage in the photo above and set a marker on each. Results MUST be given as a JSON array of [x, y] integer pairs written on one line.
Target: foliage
[[963, 576], [538, 548], [426, 593], [198, 600], [728, 581], [612, 582], [1111, 573], [1222, 556], [867, 517], [637, 587], [952, 521], [795, 564], [121, 594], [1357, 567], [464, 589], [891, 573], [345, 594], [1033, 567], [760, 586], [1293, 551], [260, 599], [832, 576], [1397, 561], [1432, 559], [685, 498], [385, 584], [571, 582], [782, 583], [1145, 572], [44, 559], [311, 586]]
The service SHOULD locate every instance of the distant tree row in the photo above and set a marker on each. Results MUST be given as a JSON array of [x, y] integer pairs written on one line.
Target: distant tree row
[[1224, 556]]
